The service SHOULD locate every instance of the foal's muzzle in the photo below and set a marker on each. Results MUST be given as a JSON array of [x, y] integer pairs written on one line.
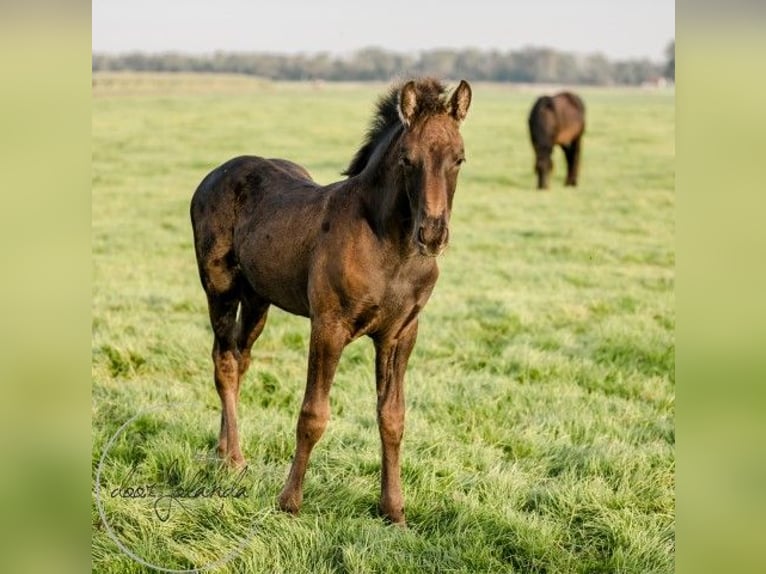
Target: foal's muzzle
[[432, 236]]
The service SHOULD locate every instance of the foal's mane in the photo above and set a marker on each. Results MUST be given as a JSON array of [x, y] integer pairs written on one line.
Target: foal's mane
[[431, 100]]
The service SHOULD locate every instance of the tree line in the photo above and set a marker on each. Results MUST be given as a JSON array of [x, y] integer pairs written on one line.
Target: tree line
[[529, 65]]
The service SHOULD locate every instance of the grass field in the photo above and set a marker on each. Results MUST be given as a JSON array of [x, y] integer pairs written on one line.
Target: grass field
[[540, 396]]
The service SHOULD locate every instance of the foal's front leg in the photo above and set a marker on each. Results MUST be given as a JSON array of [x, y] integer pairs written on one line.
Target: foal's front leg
[[327, 343], [390, 364]]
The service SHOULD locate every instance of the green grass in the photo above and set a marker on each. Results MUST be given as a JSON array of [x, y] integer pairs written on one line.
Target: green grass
[[540, 396]]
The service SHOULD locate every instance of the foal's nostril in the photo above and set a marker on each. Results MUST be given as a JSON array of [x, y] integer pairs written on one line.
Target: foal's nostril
[[421, 236]]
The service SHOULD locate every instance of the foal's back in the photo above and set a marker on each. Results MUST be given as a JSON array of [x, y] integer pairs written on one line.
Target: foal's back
[[255, 221]]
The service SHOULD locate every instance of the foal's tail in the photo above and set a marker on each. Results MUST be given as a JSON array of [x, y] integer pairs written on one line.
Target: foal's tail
[[542, 120]]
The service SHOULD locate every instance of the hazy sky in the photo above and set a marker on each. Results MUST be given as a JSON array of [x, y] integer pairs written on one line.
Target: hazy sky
[[616, 28]]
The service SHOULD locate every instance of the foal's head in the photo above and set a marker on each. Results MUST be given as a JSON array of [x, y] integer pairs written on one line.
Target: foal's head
[[414, 141], [429, 154]]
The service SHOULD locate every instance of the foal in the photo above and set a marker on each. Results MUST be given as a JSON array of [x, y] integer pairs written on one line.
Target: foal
[[357, 257]]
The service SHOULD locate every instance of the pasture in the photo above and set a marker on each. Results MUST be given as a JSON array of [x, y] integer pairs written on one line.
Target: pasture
[[539, 429]]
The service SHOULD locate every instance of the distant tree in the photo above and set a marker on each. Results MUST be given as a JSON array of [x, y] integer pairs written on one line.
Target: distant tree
[[597, 70], [439, 63], [474, 64], [545, 65], [525, 66], [670, 67], [529, 65]]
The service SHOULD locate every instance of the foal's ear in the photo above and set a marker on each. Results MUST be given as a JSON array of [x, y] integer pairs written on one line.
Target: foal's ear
[[407, 103], [461, 100]]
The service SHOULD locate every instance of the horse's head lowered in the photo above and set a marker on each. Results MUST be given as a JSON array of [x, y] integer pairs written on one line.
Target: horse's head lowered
[[430, 152]]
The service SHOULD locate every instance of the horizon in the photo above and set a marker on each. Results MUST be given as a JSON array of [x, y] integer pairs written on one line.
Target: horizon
[[354, 51]]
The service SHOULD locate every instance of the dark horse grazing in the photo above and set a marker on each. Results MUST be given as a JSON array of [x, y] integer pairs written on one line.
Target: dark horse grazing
[[357, 257], [557, 120]]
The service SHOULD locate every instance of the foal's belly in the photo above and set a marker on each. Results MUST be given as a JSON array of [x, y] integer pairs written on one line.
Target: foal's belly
[[279, 276], [292, 301]]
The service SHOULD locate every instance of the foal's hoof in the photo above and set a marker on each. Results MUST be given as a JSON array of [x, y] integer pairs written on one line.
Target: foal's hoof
[[289, 503], [394, 516], [233, 461], [398, 521]]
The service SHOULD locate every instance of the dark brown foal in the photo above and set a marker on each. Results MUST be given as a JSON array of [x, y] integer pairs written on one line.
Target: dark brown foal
[[357, 257]]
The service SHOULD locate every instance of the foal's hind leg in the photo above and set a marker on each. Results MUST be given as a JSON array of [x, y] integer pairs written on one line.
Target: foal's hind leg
[[572, 153], [231, 357], [223, 318], [252, 319]]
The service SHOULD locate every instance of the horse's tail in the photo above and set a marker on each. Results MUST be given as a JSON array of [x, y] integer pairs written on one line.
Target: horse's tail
[[540, 117], [547, 102]]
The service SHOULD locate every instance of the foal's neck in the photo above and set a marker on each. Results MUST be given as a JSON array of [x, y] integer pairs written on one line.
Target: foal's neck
[[387, 207], [382, 191]]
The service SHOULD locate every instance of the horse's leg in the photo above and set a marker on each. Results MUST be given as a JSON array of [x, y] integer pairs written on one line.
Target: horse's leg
[[223, 318], [572, 152], [325, 347], [390, 364], [251, 322], [253, 312], [543, 166]]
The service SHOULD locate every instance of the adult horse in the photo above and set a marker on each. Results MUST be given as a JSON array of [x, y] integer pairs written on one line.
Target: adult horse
[[357, 257], [557, 120]]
